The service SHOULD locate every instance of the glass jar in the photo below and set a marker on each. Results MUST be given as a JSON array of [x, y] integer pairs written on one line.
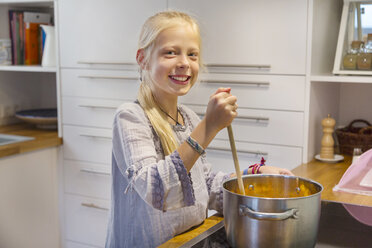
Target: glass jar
[[364, 60], [350, 59]]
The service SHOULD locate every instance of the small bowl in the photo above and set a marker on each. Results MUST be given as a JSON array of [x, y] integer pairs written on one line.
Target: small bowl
[[42, 118]]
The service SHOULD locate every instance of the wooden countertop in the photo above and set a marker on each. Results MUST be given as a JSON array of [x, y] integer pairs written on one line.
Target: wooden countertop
[[324, 173], [43, 139], [329, 175], [183, 238]]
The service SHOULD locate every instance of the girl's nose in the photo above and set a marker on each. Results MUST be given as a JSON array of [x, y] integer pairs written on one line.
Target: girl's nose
[[183, 62]]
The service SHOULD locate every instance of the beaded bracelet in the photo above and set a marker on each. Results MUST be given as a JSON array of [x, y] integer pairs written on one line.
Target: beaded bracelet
[[195, 145], [255, 167]]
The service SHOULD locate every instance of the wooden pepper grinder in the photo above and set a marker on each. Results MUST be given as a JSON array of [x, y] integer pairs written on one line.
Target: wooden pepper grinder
[[327, 150]]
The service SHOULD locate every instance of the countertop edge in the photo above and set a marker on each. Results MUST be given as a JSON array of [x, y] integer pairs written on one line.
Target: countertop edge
[[42, 139]]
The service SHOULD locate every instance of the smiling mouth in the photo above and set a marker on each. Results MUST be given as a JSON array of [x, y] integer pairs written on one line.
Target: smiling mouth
[[180, 79]]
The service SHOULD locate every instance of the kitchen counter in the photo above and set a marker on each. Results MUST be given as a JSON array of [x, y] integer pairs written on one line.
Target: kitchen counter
[[329, 175], [325, 173], [42, 139]]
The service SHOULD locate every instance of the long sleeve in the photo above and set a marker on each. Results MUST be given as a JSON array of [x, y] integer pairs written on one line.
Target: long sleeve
[[214, 182], [162, 182]]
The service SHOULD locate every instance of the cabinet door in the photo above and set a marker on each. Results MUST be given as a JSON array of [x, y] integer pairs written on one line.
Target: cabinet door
[[102, 31], [252, 32], [89, 111], [264, 126], [87, 144], [276, 92], [87, 179], [86, 219]]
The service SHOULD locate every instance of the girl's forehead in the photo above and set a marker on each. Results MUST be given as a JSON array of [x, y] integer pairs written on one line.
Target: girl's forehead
[[177, 35]]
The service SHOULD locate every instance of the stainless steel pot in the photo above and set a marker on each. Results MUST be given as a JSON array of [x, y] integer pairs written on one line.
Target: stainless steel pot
[[277, 211]]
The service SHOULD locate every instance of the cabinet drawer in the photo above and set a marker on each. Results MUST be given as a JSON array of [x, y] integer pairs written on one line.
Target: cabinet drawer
[[110, 84], [88, 179], [87, 144], [70, 244], [89, 112], [220, 156], [86, 219], [264, 126], [99, 31], [262, 92], [264, 32]]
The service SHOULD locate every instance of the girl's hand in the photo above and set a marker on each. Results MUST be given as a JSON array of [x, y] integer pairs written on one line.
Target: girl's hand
[[266, 169], [221, 109]]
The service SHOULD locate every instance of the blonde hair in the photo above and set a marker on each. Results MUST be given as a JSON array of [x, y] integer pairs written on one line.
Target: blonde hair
[[150, 31]]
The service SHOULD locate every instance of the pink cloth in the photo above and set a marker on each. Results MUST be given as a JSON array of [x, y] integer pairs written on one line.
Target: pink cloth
[[350, 182]]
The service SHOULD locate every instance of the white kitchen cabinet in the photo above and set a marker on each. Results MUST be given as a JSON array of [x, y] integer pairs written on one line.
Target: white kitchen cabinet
[[96, 32], [89, 179], [267, 36], [220, 156], [276, 92], [87, 144], [108, 84], [86, 219], [89, 111], [262, 126], [29, 200]]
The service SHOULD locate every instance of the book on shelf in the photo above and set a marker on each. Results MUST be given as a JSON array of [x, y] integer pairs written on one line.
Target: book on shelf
[[27, 36]]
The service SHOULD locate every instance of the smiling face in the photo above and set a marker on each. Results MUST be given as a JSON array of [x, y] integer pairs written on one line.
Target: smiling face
[[174, 63]]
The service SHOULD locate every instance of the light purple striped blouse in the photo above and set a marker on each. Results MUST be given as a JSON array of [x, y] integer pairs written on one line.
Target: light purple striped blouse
[[153, 197]]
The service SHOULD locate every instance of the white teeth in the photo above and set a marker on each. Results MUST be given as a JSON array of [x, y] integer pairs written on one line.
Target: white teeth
[[180, 78]]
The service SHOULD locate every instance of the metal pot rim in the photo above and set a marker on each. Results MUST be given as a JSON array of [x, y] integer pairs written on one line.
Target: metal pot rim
[[268, 198]]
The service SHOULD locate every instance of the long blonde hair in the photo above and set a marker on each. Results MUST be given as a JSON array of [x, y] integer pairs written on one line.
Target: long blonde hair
[[150, 31]]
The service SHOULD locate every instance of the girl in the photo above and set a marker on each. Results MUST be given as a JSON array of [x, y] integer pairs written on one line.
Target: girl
[[162, 182]]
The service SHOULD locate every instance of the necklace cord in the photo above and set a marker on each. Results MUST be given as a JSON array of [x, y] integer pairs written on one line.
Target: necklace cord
[[175, 120]]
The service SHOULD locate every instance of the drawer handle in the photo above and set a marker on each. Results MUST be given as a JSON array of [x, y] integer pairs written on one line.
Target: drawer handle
[[91, 205], [104, 63], [95, 172], [217, 81], [238, 150], [95, 136], [108, 77], [245, 117], [96, 106], [241, 66]]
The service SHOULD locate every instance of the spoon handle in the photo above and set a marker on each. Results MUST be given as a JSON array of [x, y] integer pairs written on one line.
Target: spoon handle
[[236, 162]]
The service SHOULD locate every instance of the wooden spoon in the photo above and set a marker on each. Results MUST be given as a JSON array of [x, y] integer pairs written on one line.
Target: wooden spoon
[[236, 162]]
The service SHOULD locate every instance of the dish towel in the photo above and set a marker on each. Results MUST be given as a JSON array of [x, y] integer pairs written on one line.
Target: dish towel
[[358, 180], [358, 177]]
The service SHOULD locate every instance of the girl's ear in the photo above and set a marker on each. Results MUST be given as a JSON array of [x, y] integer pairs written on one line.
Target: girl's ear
[[140, 58]]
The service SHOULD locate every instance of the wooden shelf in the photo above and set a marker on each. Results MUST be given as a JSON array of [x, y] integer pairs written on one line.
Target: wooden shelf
[[341, 79], [27, 68]]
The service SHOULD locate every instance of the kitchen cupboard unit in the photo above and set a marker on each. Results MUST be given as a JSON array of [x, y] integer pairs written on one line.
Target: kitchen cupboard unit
[[98, 45], [258, 49], [27, 87], [344, 97], [29, 200]]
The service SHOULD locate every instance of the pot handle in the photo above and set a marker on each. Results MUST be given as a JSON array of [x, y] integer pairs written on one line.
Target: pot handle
[[246, 211]]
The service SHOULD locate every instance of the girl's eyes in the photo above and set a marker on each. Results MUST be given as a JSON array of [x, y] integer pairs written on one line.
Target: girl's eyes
[[193, 55], [170, 53]]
